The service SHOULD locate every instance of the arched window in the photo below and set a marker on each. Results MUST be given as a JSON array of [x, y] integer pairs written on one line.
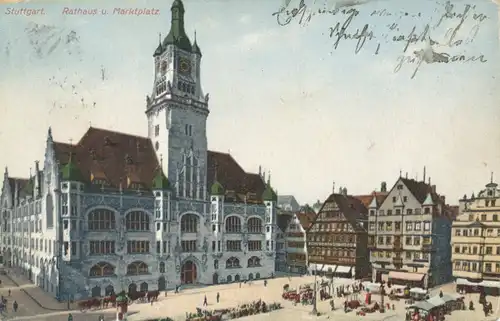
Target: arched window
[[137, 221], [101, 220], [162, 267], [137, 268], [189, 223], [49, 211], [233, 224], [253, 261], [232, 263], [102, 269], [254, 225]]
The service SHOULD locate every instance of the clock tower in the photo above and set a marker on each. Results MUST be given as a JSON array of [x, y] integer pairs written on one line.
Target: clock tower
[[177, 110]]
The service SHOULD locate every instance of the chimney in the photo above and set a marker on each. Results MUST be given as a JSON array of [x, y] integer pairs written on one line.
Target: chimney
[[406, 175], [443, 199], [423, 180], [433, 188], [344, 191], [340, 190], [383, 187]]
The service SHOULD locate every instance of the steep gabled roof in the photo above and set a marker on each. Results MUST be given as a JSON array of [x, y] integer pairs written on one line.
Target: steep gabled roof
[[232, 177], [354, 211], [283, 219], [113, 155], [420, 189], [117, 156], [367, 199], [306, 219]]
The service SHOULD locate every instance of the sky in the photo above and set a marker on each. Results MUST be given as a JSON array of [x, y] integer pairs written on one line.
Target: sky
[[281, 96]]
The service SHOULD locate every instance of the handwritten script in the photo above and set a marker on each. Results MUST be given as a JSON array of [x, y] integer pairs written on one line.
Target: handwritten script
[[455, 26]]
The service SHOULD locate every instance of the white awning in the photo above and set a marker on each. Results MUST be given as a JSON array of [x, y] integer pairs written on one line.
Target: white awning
[[490, 284], [329, 268], [418, 291], [343, 269], [460, 281]]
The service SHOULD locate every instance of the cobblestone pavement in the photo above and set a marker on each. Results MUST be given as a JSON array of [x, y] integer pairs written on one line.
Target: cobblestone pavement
[[63, 316], [27, 307], [176, 305]]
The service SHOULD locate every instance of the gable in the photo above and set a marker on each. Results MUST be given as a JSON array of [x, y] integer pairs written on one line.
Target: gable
[[400, 189]]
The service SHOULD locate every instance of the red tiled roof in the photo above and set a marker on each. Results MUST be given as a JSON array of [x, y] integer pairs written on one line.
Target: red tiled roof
[[119, 158], [367, 199], [306, 219]]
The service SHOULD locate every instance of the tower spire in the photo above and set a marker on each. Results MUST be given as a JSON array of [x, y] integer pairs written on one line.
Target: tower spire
[[491, 177], [177, 35]]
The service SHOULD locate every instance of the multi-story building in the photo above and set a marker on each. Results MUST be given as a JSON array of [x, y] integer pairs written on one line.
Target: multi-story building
[[117, 211], [337, 239], [410, 234], [380, 196], [296, 250], [282, 222], [476, 239], [288, 203]]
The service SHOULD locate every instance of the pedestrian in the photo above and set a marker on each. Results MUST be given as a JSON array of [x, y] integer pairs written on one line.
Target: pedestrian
[[15, 306], [205, 303], [218, 297]]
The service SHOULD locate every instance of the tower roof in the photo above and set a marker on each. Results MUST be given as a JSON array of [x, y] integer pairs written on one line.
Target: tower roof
[[177, 35]]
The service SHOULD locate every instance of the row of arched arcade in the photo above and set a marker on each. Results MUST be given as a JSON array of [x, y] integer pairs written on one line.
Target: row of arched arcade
[[235, 278], [97, 291]]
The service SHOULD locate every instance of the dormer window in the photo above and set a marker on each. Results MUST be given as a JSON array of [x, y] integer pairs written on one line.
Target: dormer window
[[98, 178], [400, 186], [128, 159], [133, 182], [92, 153], [230, 194]]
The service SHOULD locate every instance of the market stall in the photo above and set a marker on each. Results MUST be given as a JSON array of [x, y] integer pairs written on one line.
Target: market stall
[[453, 301], [418, 294]]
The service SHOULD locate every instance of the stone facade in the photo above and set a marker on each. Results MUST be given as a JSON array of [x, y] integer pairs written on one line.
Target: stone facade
[[101, 216], [409, 235]]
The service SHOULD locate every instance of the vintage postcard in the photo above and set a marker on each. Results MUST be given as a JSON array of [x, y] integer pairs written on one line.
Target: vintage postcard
[[213, 160]]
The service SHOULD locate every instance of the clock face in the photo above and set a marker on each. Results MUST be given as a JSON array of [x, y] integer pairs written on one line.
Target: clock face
[[184, 65]]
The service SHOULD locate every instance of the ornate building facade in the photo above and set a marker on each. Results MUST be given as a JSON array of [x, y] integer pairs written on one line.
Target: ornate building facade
[[476, 239], [121, 212], [337, 238], [409, 234], [295, 233]]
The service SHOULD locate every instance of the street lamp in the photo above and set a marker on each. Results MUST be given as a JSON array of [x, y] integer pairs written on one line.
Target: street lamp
[[315, 310]]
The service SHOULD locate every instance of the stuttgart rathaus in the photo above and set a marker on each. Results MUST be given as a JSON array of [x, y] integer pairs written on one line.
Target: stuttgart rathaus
[[116, 211]]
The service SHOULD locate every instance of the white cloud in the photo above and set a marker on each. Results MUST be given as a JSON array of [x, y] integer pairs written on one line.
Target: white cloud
[[245, 19]]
